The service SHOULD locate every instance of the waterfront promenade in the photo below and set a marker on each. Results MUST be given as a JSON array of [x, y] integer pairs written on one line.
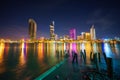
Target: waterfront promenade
[[80, 71]]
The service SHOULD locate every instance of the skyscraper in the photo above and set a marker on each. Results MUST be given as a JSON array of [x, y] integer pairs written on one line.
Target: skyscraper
[[32, 29], [92, 33], [52, 34], [73, 34]]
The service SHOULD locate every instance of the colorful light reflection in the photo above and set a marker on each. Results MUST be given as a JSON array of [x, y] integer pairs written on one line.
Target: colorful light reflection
[[22, 58], [107, 50]]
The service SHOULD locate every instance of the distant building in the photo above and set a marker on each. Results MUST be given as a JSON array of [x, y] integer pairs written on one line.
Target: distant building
[[87, 36], [56, 37], [79, 37], [52, 34], [32, 29], [66, 37], [93, 33], [73, 34], [83, 35]]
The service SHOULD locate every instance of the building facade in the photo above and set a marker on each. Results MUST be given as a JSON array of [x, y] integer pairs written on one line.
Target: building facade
[[73, 34], [32, 29], [52, 34], [93, 33]]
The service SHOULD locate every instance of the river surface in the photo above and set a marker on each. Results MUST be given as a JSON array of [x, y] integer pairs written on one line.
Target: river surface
[[26, 61]]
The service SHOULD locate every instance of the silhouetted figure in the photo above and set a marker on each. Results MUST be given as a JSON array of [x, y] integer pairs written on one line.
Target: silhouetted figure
[[84, 56], [99, 57], [91, 56], [85, 53], [81, 55], [75, 57], [105, 57]]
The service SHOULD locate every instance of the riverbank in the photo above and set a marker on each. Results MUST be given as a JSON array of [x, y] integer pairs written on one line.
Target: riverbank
[[79, 71]]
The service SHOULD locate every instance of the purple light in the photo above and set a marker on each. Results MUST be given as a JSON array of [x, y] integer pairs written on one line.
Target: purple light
[[73, 34], [74, 47]]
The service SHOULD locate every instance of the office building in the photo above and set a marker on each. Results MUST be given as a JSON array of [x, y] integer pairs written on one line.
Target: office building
[[93, 33], [73, 34], [83, 35], [32, 29], [52, 34], [87, 36]]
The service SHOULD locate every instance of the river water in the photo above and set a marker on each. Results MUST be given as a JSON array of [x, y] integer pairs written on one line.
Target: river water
[[26, 61]]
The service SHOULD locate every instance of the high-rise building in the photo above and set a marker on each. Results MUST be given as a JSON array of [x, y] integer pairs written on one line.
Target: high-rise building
[[92, 33], [87, 36], [73, 34], [32, 29], [66, 37], [52, 34], [83, 35]]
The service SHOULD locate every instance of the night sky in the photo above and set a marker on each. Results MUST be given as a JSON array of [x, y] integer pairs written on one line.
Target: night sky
[[67, 14]]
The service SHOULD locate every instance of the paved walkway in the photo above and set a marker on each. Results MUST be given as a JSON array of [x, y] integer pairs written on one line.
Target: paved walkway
[[81, 70], [75, 71]]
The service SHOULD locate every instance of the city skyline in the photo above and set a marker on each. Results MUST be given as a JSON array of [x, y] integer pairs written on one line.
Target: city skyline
[[67, 14]]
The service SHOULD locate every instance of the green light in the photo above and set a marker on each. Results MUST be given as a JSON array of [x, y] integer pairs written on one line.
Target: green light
[[42, 76]]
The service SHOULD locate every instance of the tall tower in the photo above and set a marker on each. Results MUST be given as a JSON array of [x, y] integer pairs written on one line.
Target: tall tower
[[32, 29], [92, 33], [52, 34], [73, 34]]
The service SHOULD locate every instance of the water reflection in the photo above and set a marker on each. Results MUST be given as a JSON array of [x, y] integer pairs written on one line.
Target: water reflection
[[82, 47], [40, 51], [2, 68], [117, 49], [31, 59], [22, 58], [108, 50], [2, 46]]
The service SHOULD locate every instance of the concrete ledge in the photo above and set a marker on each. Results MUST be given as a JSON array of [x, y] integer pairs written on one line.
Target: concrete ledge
[[42, 76]]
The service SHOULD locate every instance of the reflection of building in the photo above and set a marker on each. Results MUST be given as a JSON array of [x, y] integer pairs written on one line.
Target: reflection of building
[[52, 34], [73, 34], [32, 29], [92, 32]]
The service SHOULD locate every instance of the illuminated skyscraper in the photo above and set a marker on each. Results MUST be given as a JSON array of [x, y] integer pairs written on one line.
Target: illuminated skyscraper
[[32, 29], [73, 34], [87, 36], [92, 33], [52, 34]]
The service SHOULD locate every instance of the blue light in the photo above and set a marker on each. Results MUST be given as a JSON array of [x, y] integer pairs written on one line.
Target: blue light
[[108, 50]]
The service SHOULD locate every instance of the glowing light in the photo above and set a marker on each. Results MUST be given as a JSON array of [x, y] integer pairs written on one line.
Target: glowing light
[[74, 47], [95, 48], [40, 51], [2, 68], [73, 34], [52, 49], [107, 50], [82, 46], [22, 55], [2, 46]]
